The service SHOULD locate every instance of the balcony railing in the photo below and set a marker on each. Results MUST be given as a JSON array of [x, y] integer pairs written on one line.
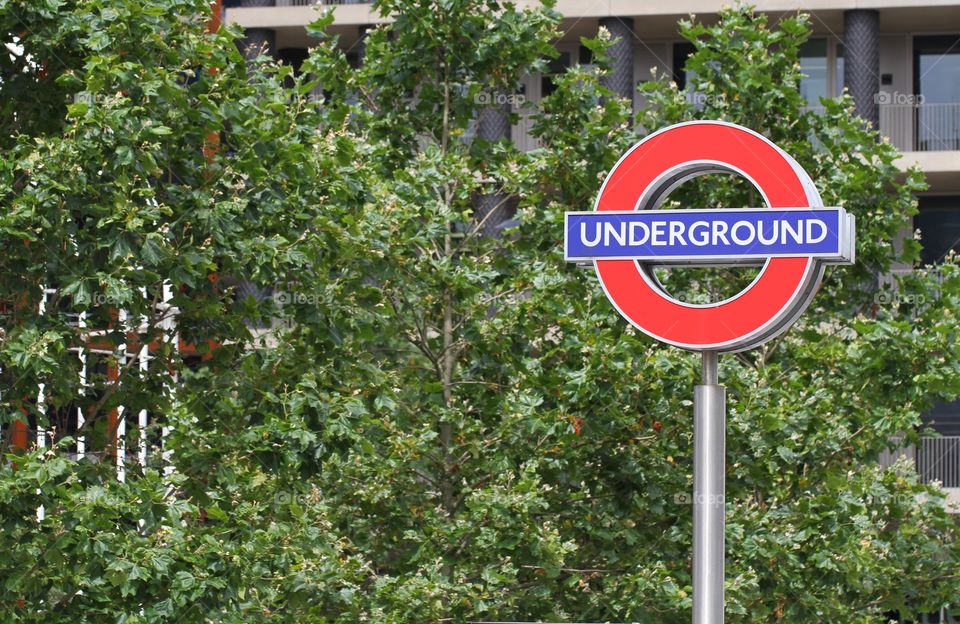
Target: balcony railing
[[921, 127], [889, 279], [936, 459], [289, 3]]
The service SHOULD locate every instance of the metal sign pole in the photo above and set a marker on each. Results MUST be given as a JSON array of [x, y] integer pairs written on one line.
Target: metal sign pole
[[709, 467]]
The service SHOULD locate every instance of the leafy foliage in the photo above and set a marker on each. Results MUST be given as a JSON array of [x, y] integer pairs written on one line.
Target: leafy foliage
[[436, 425]]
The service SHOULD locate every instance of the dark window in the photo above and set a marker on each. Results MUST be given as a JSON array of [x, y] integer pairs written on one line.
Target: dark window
[[555, 67], [294, 57], [944, 418], [586, 56], [936, 83], [838, 77], [62, 423], [98, 433], [681, 52], [939, 225]]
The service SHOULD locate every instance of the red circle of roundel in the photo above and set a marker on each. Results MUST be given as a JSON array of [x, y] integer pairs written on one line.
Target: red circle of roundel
[[772, 297]]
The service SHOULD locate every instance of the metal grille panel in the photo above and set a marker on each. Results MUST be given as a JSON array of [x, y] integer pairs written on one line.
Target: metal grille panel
[[620, 78], [861, 74], [493, 124]]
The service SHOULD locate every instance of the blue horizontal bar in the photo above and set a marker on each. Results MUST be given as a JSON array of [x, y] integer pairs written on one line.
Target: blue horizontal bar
[[706, 235]]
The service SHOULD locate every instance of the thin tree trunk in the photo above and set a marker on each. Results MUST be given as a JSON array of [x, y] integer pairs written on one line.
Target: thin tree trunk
[[448, 357]]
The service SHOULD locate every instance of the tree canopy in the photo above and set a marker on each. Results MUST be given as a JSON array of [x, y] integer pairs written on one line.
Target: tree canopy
[[424, 423]]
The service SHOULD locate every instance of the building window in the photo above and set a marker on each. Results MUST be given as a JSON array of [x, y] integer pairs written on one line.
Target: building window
[[681, 52], [838, 70], [944, 418], [554, 68], [815, 83], [584, 55], [939, 225], [685, 77], [821, 63], [936, 83]]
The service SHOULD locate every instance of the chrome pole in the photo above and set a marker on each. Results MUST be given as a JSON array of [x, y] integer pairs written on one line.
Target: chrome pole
[[709, 466]]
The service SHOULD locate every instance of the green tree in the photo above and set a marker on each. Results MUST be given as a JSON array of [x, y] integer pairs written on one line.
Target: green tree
[[437, 425], [571, 434], [147, 167]]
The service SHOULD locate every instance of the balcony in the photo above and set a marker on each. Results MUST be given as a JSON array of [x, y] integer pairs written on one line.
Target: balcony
[[921, 127], [289, 17]]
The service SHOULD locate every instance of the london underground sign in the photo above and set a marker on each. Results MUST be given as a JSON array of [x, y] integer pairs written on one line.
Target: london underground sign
[[708, 236], [626, 236]]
